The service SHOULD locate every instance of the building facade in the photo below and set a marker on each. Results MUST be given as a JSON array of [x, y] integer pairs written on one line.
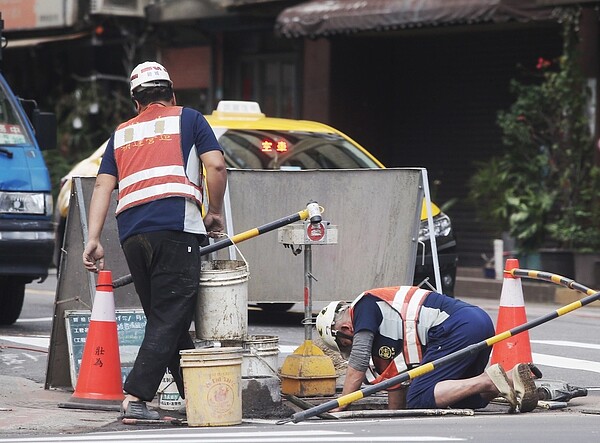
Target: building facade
[[417, 83]]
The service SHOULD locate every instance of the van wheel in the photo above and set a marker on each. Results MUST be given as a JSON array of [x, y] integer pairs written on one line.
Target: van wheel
[[12, 293]]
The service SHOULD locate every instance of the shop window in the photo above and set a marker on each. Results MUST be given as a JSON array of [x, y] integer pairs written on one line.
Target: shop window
[[272, 82]]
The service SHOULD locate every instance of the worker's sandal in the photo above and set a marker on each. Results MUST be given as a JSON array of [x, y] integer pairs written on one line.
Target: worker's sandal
[[527, 395], [500, 380], [139, 410]]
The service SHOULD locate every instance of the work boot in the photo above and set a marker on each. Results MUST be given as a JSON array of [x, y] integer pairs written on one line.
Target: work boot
[[500, 379], [527, 395], [139, 410]]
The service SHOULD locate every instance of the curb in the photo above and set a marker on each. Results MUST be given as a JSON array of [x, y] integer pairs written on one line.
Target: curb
[[470, 284]]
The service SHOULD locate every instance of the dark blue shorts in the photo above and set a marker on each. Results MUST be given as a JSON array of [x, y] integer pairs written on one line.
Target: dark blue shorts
[[466, 326]]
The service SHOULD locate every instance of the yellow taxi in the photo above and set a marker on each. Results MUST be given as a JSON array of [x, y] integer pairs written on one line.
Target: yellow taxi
[[251, 140]]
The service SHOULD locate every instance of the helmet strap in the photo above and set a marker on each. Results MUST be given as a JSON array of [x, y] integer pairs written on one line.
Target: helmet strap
[[340, 334]]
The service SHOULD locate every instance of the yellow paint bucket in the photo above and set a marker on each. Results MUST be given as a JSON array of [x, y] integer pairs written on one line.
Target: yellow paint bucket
[[213, 389]]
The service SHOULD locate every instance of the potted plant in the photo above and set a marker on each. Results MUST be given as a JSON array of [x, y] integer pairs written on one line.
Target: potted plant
[[543, 189], [579, 230], [509, 196]]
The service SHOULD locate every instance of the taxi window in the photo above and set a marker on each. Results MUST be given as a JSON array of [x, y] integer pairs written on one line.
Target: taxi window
[[256, 149]]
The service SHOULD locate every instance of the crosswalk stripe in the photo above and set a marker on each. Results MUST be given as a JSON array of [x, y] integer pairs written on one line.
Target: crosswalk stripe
[[34, 320], [565, 363], [256, 436], [570, 344], [41, 341]]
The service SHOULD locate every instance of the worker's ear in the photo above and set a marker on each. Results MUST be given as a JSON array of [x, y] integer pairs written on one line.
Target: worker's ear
[[174, 100], [137, 105]]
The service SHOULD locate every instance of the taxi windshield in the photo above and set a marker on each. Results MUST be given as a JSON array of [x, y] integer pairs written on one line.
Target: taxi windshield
[[12, 129], [277, 149]]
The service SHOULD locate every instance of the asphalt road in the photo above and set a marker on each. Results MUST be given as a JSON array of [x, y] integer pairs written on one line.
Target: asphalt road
[[24, 345], [566, 349]]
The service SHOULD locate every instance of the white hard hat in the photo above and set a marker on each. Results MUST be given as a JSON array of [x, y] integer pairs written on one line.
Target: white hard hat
[[325, 322], [148, 75]]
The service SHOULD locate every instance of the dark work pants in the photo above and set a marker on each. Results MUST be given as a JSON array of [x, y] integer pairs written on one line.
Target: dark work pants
[[165, 267], [466, 326]]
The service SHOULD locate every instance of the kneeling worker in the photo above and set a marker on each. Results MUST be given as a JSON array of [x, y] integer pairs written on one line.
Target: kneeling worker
[[404, 326]]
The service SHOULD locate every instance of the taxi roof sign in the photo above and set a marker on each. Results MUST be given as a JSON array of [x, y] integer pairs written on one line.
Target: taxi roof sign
[[238, 107], [238, 110]]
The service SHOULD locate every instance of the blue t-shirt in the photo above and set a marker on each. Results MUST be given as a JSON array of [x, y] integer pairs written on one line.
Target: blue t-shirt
[[165, 214], [368, 316]]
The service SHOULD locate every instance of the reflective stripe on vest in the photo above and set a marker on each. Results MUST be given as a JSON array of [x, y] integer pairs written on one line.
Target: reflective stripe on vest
[[396, 366], [144, 178], [413, 299], [407, 301]]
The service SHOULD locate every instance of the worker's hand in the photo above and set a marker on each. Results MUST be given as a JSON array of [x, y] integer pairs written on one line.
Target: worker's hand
[[92, 254], [214, 224]]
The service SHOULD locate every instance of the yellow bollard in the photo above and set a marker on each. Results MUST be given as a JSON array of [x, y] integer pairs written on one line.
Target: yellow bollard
[[308, 372]]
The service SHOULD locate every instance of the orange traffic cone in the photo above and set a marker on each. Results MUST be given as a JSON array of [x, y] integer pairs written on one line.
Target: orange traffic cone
[[511, 313], [99, 385]]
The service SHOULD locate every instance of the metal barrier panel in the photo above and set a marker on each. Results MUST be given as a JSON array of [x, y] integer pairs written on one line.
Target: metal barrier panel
[[76, 287], [377, 212]]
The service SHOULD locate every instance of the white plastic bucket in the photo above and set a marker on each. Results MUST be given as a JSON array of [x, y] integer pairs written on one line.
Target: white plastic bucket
[[213, 390], [222, 307], [168, 395], [261, 356]]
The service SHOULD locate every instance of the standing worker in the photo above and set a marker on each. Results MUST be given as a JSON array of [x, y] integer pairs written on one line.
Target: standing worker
[[403, 326], [156, 159]]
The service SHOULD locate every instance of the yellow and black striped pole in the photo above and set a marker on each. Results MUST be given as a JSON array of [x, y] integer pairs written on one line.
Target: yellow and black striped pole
[[254, 232], [472, 349], [250, 233]]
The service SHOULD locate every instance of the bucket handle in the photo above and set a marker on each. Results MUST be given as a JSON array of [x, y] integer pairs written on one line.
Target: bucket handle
[[255, 354], [224, 234]]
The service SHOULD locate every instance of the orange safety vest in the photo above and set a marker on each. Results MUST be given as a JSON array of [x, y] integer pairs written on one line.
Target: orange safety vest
[[407, 302], [150, 160]]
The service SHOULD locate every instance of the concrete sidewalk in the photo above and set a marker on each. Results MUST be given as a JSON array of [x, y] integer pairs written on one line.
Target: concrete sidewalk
[[470, 283], [27, 409]]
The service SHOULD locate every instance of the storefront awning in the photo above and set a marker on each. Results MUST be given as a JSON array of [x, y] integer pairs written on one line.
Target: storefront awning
[[27, 42], [173, 11], [318, 18]]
